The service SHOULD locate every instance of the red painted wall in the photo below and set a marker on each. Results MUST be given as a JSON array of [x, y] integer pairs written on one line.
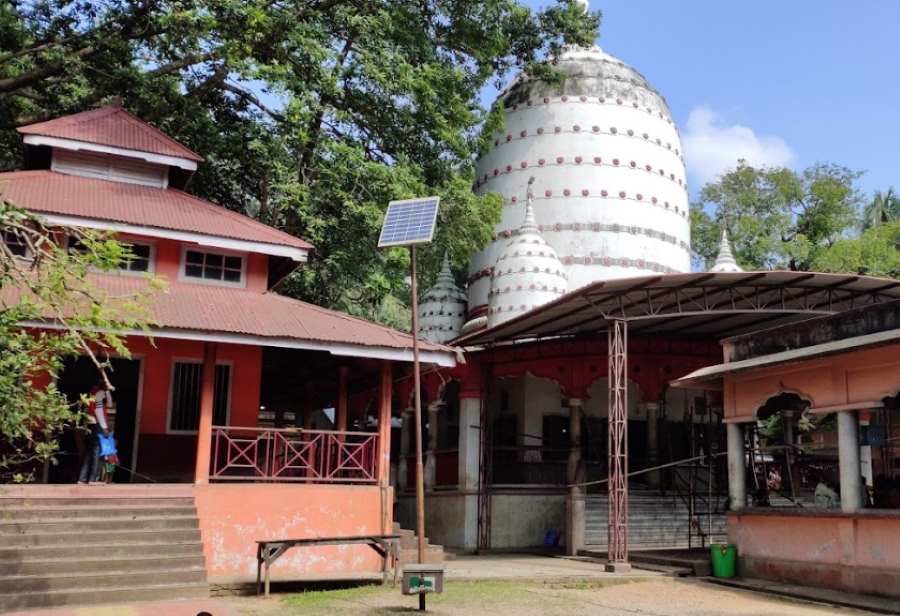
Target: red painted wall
[[168, 261], [172, 455], [234, 517]]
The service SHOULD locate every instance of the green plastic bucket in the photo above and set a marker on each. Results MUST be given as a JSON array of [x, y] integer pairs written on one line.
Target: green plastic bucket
[[724, 559]]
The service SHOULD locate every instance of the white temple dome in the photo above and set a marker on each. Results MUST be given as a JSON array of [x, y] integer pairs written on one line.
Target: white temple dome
[[442, 310], [527, 274], [725, 261], [602, 146]]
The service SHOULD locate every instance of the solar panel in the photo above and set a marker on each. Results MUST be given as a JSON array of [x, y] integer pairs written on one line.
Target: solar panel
[[410, 221]]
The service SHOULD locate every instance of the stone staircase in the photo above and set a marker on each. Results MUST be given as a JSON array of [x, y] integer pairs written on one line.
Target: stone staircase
[[654, 522], [409, 548], [98, 544]]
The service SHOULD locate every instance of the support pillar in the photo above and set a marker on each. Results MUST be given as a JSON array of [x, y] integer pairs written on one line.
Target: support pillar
[[431, 454], [575, 474], [617, 447], [340, 413], [207, 398], [405, 441], [652, 409], [469, 468], [385, 383], [737, 467], [848, 459]]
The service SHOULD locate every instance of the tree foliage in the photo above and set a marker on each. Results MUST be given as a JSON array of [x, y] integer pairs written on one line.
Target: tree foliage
[[875, 252], [312, 114], [777, 218], [53, 286], [883, 208]]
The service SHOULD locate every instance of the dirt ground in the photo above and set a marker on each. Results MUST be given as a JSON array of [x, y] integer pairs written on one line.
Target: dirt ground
[[656, 596]]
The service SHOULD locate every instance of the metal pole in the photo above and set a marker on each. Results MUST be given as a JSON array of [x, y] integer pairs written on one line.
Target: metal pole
[[617, 447], [420, 471]]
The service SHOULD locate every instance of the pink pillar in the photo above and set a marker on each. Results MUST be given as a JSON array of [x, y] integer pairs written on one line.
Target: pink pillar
[[204, 430]]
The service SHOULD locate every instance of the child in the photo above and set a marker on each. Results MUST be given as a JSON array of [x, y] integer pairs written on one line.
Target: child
[[100, 401]]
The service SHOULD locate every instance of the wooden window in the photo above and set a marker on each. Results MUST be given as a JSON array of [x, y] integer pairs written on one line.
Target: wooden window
[[214, 266], [184, 398], [15, 243]]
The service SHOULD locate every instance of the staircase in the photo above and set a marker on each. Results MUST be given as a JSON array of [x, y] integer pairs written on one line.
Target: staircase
[[409, 548], [654, 522], [71, 545]]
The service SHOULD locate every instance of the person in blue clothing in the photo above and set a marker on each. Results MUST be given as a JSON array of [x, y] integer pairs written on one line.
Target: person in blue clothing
[[100, 402]]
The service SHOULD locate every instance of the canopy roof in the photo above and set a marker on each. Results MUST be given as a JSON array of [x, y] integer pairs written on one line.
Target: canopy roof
[[705, 304]]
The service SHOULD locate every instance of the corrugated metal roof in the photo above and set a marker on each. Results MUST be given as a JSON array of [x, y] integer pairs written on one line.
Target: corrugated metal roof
[[48, 192], [202, 308], [111, 126], [704, 304]]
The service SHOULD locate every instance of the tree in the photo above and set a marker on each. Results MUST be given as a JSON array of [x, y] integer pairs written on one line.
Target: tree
[[884, 207], [312, 114], [52, 286], [776, 218], [876, 252]]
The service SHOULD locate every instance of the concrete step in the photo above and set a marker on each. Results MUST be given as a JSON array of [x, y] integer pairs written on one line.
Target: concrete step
[[101, 578], [93, 524], [96, 551], [666, 569], [134, 562], [107, 502], [40, 512], [119, 536], [94, 596]]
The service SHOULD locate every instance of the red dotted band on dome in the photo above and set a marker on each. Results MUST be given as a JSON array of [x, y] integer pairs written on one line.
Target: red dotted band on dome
[[599, 227], [612, 131], [576, 161], [604, 194], [589, 100]]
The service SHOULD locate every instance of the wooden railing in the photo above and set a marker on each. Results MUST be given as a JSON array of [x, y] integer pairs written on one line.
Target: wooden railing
[[293, 455]]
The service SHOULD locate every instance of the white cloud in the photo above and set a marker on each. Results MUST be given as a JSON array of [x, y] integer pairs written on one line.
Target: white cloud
[[711, 146]]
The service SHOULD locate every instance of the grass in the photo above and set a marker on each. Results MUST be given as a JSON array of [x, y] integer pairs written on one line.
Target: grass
[[478, 595]]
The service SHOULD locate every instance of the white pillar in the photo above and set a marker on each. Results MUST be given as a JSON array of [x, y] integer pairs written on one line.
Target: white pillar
[[405, 440], [848, 459], [652, 442], [575, 500], [431, 454], [737, 467], [469, 467]]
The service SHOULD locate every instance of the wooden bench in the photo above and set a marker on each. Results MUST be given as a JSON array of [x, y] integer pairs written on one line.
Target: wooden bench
[[386, 546]]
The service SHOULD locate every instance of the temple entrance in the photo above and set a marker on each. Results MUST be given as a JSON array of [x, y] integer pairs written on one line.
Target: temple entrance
[[78, 377]]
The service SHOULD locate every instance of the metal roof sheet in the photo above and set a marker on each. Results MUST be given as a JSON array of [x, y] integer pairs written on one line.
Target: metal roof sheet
[[111, 126], [48, 192], [255, 318], [711, 305]]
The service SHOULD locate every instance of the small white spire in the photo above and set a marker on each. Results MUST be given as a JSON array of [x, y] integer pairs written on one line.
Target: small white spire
[[529, 224], [725, 261], [445, 274], [584, 4]]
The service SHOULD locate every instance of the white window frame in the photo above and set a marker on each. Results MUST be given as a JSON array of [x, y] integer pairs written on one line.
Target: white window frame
[[182, 267], [196, 360], [121, 271]]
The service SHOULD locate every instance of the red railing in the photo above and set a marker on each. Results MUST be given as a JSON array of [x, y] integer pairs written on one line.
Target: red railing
[[313, 456]]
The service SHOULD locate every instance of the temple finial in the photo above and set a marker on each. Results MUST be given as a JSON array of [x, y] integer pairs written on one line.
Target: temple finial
[[529, 222], [725, 261]]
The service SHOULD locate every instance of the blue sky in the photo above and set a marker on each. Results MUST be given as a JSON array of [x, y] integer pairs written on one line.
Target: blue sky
[[793, 82]]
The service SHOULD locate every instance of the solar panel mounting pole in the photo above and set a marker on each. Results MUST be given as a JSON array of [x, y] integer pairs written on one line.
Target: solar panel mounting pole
[[407, 223], [420, 472]]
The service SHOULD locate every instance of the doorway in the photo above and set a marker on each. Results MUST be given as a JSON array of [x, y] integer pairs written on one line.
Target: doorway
[[77, 377]]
